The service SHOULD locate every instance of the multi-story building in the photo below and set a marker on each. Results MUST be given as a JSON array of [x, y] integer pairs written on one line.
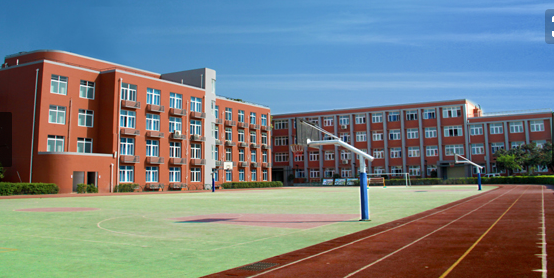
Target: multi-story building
[[77, 119], [416, 138]]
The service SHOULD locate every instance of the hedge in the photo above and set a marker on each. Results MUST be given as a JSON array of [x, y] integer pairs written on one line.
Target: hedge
[[86, 188], [252, 184], [473, 180], [8, 188], [126, 187]]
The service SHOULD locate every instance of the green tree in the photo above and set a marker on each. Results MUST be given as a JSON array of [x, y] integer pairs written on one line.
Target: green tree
[[507, 162], [530, 156], [2, 171]]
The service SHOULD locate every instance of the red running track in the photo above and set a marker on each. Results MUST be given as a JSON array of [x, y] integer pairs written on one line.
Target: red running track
[[501, 233]]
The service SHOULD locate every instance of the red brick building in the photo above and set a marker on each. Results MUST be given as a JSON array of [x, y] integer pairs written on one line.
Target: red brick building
[[417, 138], [103, 123]]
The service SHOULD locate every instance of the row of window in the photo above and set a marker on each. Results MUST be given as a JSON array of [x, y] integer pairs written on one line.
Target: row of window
[[229, 135], [55, 143], [241, 118], [152, 174], [58, 85]]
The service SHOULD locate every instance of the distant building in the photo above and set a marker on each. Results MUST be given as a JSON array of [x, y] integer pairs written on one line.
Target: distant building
[[417, 138], [103, 123]]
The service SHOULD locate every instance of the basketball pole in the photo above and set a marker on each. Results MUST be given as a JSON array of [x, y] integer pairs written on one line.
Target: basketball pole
[[364, 195]]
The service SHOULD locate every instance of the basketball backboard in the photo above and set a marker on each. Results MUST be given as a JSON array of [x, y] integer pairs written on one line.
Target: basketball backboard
[[227, 165], [306, 131]]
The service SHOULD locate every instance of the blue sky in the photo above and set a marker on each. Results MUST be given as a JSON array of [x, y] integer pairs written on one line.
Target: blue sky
[[312, 55]]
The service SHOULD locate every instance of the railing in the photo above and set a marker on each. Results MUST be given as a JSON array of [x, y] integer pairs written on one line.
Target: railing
[[199, 115], [230, 143], [254, 126], [217, 142], [154, 160], [218, 121], [218, 163], [254, 145], [155, 108], [176, 136], [243, 125], [230, 123], [177, 161], [243, 164], [530, 111], [177, 112], [196, 137], [153, 186], [266, 165], [265, 146], [129, 159], [253, 164], [177, 185], [242, 145], [265, 128], [130, 104], [130, 131], [155, 134], [195, 161]]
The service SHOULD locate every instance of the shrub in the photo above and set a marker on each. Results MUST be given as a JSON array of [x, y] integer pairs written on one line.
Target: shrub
[[86, 188], [252, 184], [126, 187], [473, 180], [8, 188]]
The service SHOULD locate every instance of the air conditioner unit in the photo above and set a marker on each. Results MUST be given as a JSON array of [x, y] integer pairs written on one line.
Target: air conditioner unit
[[345, 162], [344, 126], [177, 133]]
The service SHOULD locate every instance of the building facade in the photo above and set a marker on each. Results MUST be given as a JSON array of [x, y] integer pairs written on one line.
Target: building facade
[[77, 119], [420, 139]]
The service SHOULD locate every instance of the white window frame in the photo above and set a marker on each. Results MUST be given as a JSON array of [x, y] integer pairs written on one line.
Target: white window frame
[[329, 155], [412, 133], [153, 122], [516, 127], [429, 114], [174, 174], [175, 124], [328, 121], [126, 146], [195, 127], [281, 157], [476, 130], [496, 146], [395, 152], [377, 136], [413, 152], [360, 119], [453, 131], [496, 128], [127, 119], [58, 85], [196, 151], [195, 174], [86, 89], [431, 151], [128, 92], [411, 115], [394, 116], [430, 132], [376, 117], [126, 173], [450, 150], [175, 149], [195, 104], [86, 118], [344, 120], [57, 113], [176, 101], [378, 153], [153, 96], [252, 118], [477, 149], [152, 148], [314, 156], [537, 126], [55, 143], [361, 136], [451, 112], [241, 116], [394, 134], [84, 145]]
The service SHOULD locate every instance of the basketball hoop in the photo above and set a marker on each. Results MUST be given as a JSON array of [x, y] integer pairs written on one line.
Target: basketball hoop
[[297, 150]]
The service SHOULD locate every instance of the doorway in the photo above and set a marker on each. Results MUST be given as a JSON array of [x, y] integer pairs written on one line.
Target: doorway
[[78, 177]]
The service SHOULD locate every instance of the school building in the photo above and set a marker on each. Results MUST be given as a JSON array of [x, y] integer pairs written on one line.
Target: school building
[[69, 119], [418, 138]]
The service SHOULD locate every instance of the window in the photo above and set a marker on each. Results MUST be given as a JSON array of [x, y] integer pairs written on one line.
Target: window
[[84, 145], [329, 155], [394, 116], [241, 155], [153, 122], [264, 138], [252, 137], [127, 119], [361, 136], [127, 146], [298, 158], [152, 148], [281, 157], [241, 135], [217, 116], [414, 170], [58, 85], [395, 152], [174, 149], [281, 141], [431, 169], [454, 149], [476, 129], [430, 132], [378, 170], [252, 118], [542, 168], [128, 92], [413, 151], [411, 115], [174, 174], [516, 127], [56, 114], [345, 136], [451, 112], [215, 152], [345, 172], [264, 120], [299, 173], [241, 116], [254, 174], [377, 136], [345, 155], [195, 104], [176, 101], [195, 127], [215, 131], [265, 176], [537, 126], [412, 133], [228, 114], [517, 144], [86, 89], [196, 151], [360, 119], [55, 143], [451, 131], [396, 170], [314, 173], [496, 128], [254, 156], [264, 156], [328, 121], [241, 175], [540, 143], [126, 173], [228, 134], [496, 146], [175, 124], [429, 114], [394, 134], [314, 156], [377, 117], [281, 124], [477, 149], [153, 96], [195, 175], [228, 154], [378, 153], [344, 120], [228, 175], [329, 172], [431, 151], [86, 118]]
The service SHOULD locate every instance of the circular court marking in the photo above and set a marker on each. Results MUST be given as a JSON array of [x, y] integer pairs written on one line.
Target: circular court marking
[[56, 209]]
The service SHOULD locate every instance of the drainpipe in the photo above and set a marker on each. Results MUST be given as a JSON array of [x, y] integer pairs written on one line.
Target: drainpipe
[[69, 125], [111, 177], [118, 131], [33, 131]]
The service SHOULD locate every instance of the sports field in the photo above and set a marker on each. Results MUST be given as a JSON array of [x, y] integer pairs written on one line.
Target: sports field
[[190, 234]]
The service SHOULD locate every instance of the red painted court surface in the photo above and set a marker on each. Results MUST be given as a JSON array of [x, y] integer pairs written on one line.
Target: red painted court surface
[[506, 232]]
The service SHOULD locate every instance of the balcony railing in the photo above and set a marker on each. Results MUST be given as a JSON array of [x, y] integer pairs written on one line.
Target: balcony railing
[[155, 134], [177, 112], [195, 161], [254, 145], [230, 143], [177, 161], [253, 164], [266, 165], [243, 164], [218, 163], [177, 136], [177, 185], [198, 115], [130, 131], [254, 126], [243, 125], [130, 104], [218, 121], [217, 142], [198, 138], [242, 144], [155, 108], [154, 160], [230, 123], [154, 186], [265, 128], [129, 159], [265, 146]]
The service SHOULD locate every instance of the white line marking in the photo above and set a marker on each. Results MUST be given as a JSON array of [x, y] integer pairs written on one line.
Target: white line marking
[[543, 232]]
